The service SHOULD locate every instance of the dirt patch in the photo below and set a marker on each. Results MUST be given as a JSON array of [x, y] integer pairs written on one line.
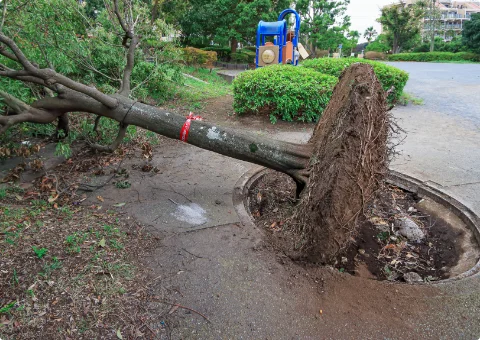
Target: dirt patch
[[379, 250]]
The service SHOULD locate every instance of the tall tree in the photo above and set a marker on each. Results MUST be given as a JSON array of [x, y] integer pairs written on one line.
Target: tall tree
[[370, 34], [402, 22], [336, 172], [471, 33], [352, 40], [324, 22]]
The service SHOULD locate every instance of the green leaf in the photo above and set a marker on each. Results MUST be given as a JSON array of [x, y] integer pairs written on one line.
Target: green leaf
[[102, 242]]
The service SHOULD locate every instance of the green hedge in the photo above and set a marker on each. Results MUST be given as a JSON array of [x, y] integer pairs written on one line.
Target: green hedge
[[435, 56], [243, 56], [283, 91], [387, 75]]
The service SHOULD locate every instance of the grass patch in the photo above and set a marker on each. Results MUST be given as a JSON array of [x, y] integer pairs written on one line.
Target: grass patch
[[67, 272], [193, 93], [406, 98]]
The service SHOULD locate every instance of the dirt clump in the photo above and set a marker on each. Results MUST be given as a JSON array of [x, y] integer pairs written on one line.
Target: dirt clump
[[377, 250]]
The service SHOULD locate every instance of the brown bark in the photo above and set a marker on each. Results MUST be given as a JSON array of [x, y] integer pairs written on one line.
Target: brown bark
[[233, 45], [350, 160]]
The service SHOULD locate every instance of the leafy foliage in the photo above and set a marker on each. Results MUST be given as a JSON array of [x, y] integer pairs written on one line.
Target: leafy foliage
[[195, 56], [471, 33], [283, 91], [387, 75], [370, 33], [324, 22], [402, 24], [227, 20], [379, 45], [435, 56]]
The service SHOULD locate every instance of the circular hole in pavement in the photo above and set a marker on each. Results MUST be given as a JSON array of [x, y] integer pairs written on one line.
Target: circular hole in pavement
[[410, 233]]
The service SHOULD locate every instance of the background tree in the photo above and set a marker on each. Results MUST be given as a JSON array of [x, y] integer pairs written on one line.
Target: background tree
[[324, 23], [380, 44], [471, 33], [432, 24], [370, 34], [336, 172], [227, 20], [352, 40], [402, 23]]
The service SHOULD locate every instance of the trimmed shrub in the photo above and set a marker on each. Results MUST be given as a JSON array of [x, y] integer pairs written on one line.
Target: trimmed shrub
[[243, 56], [435, 56], [283, 91], [250, 48], [387, 75], [197, 57], [371, 55]]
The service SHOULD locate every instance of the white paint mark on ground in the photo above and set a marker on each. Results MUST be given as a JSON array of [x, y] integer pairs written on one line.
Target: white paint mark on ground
[[192, 214], [213, 133]]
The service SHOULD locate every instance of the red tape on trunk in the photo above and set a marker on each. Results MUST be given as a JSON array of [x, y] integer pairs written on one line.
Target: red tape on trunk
[[186, 126]]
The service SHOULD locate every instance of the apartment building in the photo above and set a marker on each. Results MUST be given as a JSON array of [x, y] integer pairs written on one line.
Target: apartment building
[[450, 17]]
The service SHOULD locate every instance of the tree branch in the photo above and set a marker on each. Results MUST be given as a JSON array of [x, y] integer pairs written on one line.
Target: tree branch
[[127, 73], [112, 147], [125, 28], [14, 103], [18, 53], [51, 77], [4, 14]]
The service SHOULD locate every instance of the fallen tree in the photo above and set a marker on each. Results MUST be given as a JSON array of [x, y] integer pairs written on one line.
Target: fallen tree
[[336, 173]]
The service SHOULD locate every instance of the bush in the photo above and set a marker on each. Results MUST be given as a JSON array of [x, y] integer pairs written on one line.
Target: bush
[[377, 46], [243, 56], [387, 75], [283, 91], [196, 56], [375, 55], [435, 56], [250, 48], [223, 53]]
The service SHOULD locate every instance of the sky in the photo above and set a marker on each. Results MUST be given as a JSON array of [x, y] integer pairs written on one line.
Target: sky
[[363, 14]]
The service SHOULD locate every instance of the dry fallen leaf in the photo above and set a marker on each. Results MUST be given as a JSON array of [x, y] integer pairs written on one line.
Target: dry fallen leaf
[[100, 198]]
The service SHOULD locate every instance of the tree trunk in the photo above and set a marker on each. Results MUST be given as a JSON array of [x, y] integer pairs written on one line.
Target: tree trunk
[[154, 11], [233, 45], [340, 168]]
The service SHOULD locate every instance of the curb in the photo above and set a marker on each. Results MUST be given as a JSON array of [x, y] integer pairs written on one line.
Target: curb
[[471, 220]]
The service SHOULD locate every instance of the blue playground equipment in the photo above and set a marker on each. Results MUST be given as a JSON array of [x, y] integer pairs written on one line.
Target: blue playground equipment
[[284, 49]]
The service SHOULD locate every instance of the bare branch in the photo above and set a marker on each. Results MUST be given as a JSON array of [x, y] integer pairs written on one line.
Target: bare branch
[[112, 147], [14, 103], [25, 113], [18, 53], [7, 54], [126, 81], [126, 29], [4, 14]]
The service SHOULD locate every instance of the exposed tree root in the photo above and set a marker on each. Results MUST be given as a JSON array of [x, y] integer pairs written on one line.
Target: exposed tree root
[[348, 164]]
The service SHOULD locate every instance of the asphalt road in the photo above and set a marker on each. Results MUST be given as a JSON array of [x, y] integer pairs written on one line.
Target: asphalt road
[[442, 143], [447, 89]]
